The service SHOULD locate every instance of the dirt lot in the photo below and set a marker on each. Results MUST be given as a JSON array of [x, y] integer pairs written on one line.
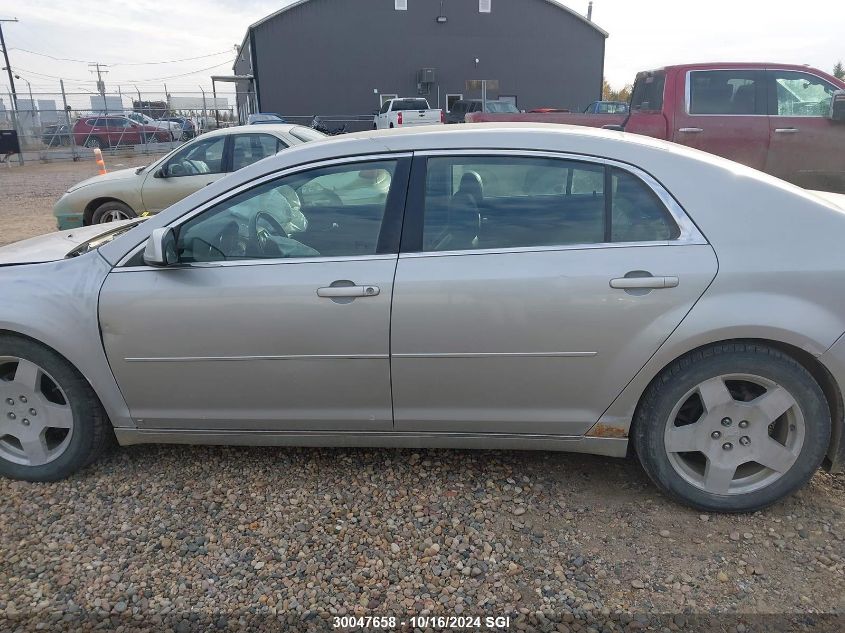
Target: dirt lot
[[179, 538], [27, 193]]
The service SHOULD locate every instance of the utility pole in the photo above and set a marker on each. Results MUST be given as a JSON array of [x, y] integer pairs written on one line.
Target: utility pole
[[8, 65], [101, 85]]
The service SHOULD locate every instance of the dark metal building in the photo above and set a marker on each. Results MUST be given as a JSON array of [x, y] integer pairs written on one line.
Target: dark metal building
[[343, 57]]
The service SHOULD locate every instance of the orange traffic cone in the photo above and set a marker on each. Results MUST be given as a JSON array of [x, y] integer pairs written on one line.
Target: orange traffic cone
[[98, 158]]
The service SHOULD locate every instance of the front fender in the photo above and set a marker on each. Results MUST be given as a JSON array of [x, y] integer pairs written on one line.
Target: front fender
[[55, 303]]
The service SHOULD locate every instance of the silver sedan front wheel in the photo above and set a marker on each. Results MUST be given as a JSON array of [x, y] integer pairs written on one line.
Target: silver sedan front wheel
[[732, 427], [51, 422], [36, 426]]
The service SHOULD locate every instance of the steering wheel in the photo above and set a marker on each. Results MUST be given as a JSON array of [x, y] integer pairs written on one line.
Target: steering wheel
[[259, 239]]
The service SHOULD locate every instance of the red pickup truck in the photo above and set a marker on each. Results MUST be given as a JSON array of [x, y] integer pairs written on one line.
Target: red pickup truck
[[774, 117]]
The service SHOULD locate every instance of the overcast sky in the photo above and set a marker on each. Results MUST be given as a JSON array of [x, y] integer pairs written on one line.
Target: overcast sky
[[643, 34]]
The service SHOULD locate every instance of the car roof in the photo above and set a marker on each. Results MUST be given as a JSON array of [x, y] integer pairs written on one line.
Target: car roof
[[282, 128]]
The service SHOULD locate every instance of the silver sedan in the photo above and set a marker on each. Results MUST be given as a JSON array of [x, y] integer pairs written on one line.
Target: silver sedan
[[518, 286]]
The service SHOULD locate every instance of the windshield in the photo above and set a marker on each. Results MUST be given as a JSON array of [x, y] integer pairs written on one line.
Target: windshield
[[306, 134], [266, 117], [410, 104], [502, 107]]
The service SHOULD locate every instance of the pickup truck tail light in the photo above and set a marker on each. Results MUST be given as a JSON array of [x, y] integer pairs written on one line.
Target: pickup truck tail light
[[399, 118]]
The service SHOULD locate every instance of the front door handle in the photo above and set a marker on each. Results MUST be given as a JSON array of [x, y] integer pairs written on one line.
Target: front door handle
[[640, 283], [348, 292], [786, 130], [691, 130]]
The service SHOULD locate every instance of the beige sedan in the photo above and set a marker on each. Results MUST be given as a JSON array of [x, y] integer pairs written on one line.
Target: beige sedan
[[128, 193]]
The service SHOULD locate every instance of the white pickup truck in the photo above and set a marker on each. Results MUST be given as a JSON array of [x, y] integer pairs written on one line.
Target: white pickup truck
[[406, 112]]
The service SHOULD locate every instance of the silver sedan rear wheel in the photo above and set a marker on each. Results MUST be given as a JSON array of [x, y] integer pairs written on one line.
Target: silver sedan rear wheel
[[36, 426], [734, 434], [732, 427]]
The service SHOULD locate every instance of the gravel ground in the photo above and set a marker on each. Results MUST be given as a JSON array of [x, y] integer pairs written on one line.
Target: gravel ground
[[27, 193], [201, 538]]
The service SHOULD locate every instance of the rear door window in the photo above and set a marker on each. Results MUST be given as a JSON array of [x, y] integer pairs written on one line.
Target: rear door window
[[250, 148], [734, 92], [478, 202]]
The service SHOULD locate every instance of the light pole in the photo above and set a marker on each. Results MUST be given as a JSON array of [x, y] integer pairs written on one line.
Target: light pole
[[31, 101]]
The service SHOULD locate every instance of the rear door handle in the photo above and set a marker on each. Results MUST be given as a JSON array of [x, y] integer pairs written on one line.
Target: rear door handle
[[691, 130], [639, 283], [348, 292], [786, 130]]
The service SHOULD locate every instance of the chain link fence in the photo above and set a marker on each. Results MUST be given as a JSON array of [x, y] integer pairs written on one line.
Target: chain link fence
[[69, 125]]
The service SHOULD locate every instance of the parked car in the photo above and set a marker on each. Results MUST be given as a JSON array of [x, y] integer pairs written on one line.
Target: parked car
[[173, 128], [462, 107], [101, 131], [187, 127], [406, 112], [325, 296], [263, 118], [607, 107], [127, 193], [774, 117], [56, 135]]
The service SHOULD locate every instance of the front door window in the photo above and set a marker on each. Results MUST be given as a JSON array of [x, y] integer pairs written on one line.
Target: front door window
[[327, 212], [802, 94]]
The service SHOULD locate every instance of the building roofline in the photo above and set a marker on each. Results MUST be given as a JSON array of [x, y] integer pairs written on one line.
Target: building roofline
[[554, 3]]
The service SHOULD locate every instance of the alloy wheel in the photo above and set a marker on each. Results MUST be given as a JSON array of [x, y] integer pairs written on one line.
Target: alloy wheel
[[36, 420], [113, 215], [733, 434]]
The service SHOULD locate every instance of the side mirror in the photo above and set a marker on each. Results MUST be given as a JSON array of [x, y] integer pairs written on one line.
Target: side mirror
[[161, 248], [161, 172], [837, 107]]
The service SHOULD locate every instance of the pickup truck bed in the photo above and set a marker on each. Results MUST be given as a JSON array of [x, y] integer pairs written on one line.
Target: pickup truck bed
[[564, 118]]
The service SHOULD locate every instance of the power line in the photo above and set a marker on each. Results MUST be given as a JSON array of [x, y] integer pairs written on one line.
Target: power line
[[85, 61], [126, 80]]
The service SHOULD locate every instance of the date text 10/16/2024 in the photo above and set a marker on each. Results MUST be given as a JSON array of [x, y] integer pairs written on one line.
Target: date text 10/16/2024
[[450, 622]]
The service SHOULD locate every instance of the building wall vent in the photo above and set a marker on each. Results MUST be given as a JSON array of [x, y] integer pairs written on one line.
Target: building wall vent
[[484, 6], [401, 5]]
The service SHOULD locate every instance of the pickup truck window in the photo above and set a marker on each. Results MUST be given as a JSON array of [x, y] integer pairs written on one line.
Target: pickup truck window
[[410, 104], [725, 92], [802, 94], [648, 92], [385, 107]]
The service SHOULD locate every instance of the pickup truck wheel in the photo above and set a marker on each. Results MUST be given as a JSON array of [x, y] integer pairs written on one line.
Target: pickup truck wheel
[[52, 422], [391, 125], [733, 427], [112, 211]]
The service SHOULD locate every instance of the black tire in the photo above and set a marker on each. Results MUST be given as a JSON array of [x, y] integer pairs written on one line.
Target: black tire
[[718, 360], [92, 431], [101, 214], [94, 142]]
